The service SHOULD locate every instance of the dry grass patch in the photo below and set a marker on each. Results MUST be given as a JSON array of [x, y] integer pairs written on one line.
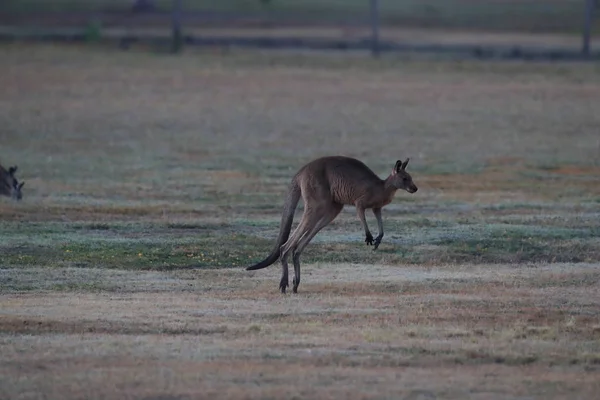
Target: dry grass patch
[[238, 336]]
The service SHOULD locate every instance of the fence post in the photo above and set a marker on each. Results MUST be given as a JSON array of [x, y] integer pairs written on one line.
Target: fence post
[[590, 8], [374, 9], [177, 39]]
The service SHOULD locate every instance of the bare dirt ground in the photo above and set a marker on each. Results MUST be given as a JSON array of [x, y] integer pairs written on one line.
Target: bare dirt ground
[[153, 180]]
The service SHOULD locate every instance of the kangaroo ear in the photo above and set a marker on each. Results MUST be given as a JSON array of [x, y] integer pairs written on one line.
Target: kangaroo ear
[[398, 166], [12, 170], [405, 163]]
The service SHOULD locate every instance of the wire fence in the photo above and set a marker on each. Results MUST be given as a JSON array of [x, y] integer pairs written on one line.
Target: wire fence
[[482, 28]]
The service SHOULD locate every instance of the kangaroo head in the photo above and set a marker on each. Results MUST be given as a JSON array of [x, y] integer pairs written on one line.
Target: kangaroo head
[[401, 179], [9, 185]]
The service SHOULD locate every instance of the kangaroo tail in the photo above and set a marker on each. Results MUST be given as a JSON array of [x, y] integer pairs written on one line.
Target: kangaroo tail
[[291, 202]]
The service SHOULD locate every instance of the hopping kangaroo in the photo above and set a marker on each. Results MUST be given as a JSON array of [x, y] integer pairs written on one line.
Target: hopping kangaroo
[[326, 185], [9, 186]]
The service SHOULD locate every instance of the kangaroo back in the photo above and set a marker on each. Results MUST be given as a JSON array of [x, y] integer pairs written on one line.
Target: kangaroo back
[[289, 207], [349, 179]]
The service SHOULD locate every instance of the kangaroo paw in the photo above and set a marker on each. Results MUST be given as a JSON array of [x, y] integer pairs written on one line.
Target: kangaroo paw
[[369, 239]]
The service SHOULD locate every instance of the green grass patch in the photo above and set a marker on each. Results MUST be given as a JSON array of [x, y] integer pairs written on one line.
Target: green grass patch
[[79, 287], [524, 245], [126, 246], [179, 245]]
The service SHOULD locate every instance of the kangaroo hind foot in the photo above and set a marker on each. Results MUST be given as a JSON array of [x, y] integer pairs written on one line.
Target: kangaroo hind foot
[[377, 242], [369, 239], [283, 284]]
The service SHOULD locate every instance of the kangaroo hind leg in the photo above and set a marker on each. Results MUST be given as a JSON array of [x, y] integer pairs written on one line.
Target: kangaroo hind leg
[[328, 214], [309, 219]]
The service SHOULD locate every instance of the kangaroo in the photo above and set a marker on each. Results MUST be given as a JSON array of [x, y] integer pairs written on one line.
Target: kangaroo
[[9, 186], [326, 185]]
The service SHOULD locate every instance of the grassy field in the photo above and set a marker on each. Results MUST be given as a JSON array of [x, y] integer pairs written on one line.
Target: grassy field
[[152, 181], [521, 15]]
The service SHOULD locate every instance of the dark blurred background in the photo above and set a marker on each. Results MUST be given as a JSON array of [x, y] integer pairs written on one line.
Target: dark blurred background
[[342, 24]]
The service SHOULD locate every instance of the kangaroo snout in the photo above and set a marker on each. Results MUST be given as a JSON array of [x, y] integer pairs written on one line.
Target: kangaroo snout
[[412, 189]]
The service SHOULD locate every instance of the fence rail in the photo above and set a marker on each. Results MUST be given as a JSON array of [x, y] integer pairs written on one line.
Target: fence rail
[[380, 26]]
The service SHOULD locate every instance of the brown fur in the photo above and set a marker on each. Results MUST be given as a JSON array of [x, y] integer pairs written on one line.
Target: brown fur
[[326, 185], [9, 185]]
